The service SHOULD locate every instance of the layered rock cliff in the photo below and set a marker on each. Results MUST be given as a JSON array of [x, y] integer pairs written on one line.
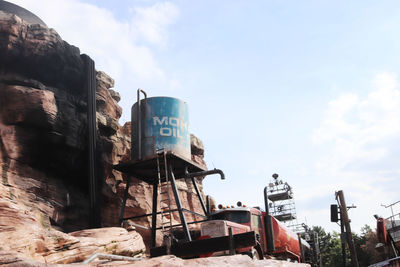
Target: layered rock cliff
[[43, 146]]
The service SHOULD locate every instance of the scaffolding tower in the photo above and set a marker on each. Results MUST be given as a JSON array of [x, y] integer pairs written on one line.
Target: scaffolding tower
[[281, 203]]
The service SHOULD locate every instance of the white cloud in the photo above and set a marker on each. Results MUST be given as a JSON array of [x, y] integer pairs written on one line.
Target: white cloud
[[120, 48], [358, 128], [334, 123], [150, 23], [361, 136]]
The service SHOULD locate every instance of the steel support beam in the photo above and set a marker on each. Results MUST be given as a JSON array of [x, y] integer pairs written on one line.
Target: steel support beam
[[179, 205], [154, 216], [121, 216], [199, 195]]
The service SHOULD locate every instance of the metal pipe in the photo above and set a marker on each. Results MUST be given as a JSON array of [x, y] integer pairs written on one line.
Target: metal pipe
[[269, 230], [138, 125], [204, 173], [110, 257]]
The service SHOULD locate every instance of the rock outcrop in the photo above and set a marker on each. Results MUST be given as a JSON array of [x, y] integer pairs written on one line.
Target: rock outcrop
[[164, 261], [29, 233], [43, 151]]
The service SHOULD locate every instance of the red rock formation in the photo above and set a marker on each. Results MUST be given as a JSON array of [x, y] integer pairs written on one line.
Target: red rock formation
[[43, 143], [164, 261], [29, 234]]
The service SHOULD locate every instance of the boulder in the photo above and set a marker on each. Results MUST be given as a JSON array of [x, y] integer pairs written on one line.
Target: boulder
[[31, 234]]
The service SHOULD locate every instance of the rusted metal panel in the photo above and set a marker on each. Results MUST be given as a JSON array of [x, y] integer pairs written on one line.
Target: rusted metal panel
[[164, 124], [204, 246], [146, 169]]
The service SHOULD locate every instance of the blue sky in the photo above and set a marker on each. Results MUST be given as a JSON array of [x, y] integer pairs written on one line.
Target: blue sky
[[306, 89]]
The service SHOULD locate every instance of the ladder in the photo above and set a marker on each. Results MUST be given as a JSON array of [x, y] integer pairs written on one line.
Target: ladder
[[164, 193]]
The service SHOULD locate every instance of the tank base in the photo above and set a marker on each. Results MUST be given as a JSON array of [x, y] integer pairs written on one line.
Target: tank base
[[146, 169]]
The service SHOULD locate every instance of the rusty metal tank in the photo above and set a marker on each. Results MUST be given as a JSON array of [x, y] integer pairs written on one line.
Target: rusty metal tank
[[286, 241], [162, 123]]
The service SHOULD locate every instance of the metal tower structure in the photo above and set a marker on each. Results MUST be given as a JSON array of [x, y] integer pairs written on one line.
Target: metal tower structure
[[393, 222], [282, 205], [161, 168]]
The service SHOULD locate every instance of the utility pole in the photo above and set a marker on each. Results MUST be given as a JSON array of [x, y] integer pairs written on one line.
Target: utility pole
[[345, 219], [335, 211], [343, 241]]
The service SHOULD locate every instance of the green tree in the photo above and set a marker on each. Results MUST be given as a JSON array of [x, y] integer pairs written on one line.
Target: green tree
[[331, 247]]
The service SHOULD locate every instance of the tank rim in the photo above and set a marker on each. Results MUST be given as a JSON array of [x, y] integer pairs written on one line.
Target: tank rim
[[153, 97]]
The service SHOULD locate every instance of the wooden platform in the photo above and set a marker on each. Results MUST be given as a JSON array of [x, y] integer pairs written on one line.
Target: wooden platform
[[146, 169]]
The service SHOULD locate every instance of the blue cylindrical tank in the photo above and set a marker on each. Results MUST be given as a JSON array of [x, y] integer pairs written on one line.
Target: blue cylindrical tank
[[164, 124]]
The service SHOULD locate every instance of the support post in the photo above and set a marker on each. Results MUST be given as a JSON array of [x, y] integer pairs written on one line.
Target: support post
[[179, 206], [301, 248], [154, 215], [208, 205], [138, 127], [343, 241], [121, 216], [200, 197], [350, 242], [231, 242], [268, 225], [94, 218]]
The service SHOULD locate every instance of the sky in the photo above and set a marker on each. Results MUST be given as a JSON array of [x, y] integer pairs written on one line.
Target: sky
[[306, 89]]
